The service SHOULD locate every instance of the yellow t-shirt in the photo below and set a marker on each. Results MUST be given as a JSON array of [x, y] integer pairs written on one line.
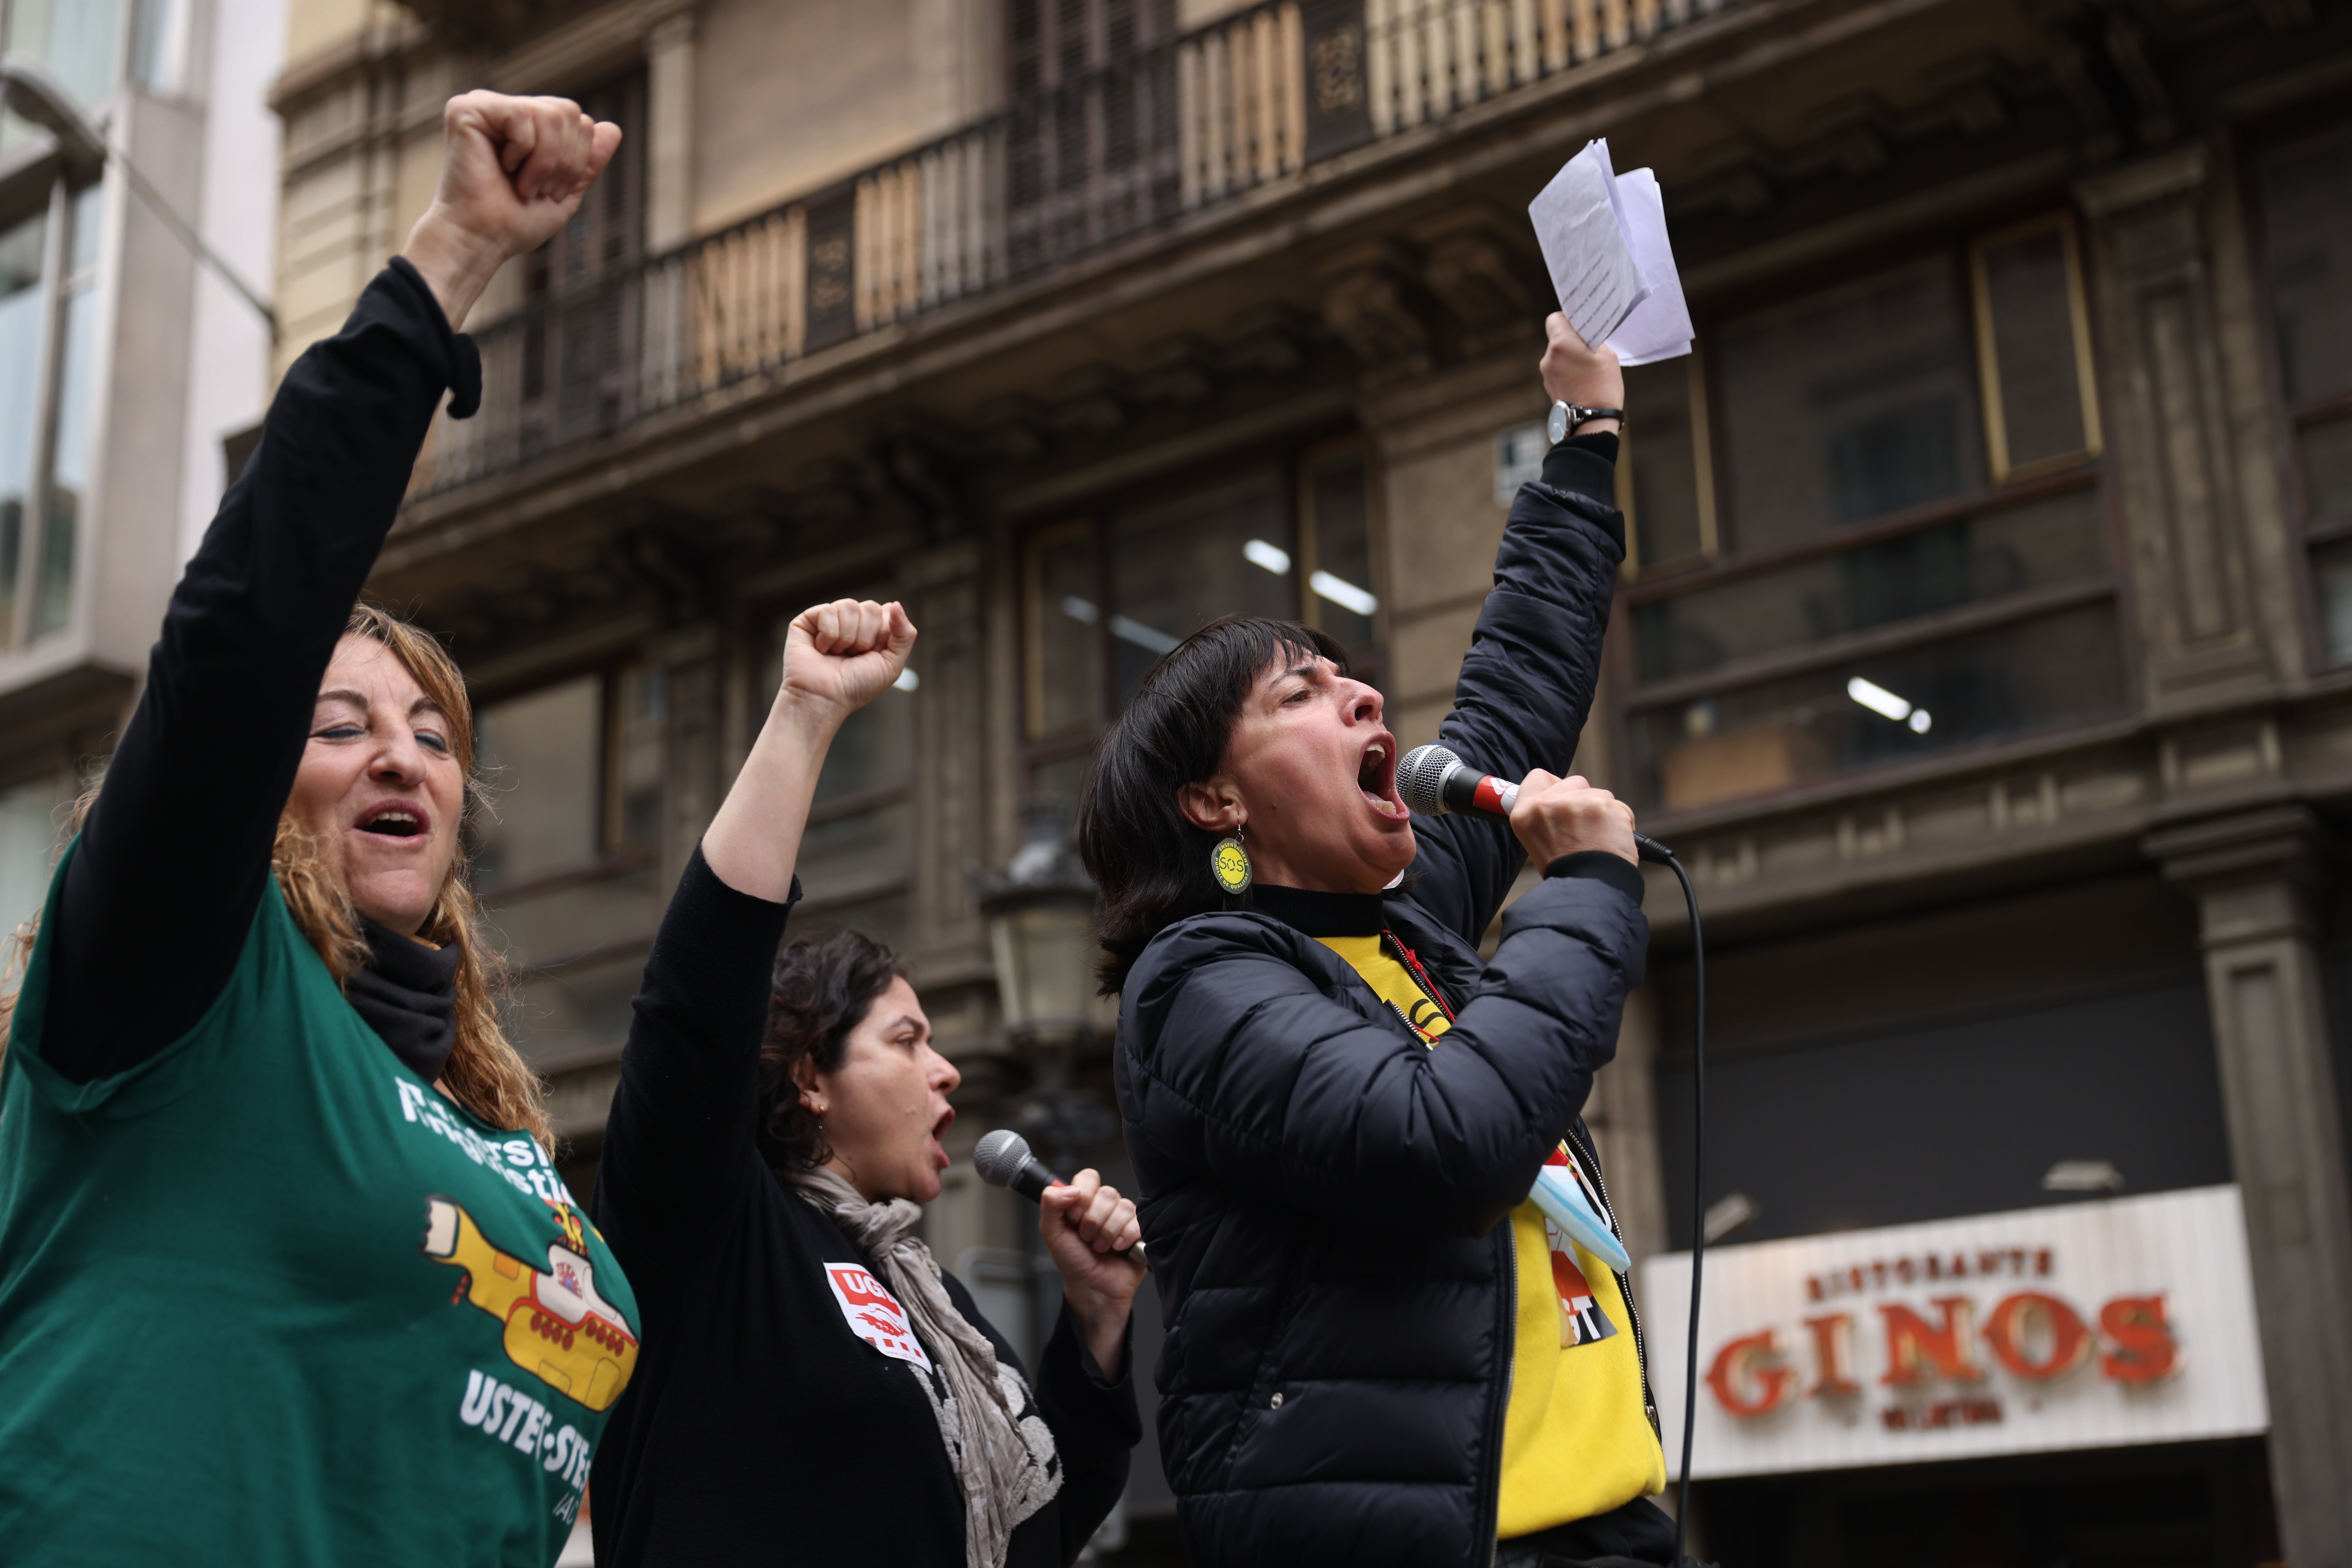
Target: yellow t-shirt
[[1576, 1438]]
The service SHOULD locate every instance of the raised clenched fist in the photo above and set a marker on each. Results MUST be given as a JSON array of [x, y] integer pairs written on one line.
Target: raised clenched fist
[[839, 657], [513, 170]]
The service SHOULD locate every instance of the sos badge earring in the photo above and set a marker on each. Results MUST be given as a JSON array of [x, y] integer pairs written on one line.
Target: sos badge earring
[[1229, 863]]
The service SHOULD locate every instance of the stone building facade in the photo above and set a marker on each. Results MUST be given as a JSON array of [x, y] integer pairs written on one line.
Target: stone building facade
[[1986, 648]]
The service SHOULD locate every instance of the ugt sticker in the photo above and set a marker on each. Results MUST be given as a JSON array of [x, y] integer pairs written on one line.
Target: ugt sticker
[[873, 1313]]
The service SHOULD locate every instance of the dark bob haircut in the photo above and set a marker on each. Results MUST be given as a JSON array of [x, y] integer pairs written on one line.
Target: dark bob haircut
[[822, 991], [1149, 864]]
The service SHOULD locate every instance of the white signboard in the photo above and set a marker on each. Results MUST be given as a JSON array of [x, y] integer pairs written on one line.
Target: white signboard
[[2090, 1325]]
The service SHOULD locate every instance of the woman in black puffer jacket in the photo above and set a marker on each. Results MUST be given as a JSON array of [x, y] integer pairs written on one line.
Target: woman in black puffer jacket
[[1378, 1350]]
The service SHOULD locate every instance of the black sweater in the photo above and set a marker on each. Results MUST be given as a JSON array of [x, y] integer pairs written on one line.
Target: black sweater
[[175, 857], [758, 1427]]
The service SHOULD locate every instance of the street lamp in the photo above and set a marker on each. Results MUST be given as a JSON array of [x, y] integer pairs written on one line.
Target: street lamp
[[30, 93], [1040, 914]]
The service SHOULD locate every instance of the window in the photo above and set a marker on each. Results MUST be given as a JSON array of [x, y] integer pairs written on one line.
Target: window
[[1866, 528], [1106, 599], [585, 293], [1092, 122], [45, 346], [858, 854], [30, 841], [80, 42], [566, 848], [2308, 247]]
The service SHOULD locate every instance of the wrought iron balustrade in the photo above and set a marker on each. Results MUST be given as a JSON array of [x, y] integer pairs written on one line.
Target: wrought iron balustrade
[[1055, 176]]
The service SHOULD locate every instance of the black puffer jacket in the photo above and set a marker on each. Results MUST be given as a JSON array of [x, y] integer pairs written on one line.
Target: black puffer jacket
[[1322, 1192]]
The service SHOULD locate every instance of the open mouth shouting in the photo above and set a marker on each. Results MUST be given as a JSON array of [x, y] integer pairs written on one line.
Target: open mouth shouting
[[397, 820], [939, 1131], [1376, 776]]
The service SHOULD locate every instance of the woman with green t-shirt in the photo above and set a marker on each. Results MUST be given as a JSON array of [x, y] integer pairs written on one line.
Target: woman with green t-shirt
[[285, 1276]]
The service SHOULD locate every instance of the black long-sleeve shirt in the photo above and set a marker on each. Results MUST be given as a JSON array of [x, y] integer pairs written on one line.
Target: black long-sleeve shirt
[[175, 854], [759, 1427]]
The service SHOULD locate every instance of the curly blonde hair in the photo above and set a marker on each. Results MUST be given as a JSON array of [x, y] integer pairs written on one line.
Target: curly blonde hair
[[485, 1073]]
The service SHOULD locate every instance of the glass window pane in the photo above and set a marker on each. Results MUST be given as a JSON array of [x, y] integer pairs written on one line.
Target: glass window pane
[[79, 41], [29, 835], [2307, 253], [848, 852], [540, 757], [2061, 668], [567, 918], [2326, 468], [69, 467], [1063, 642], [574, 1008], [882, 919], [20, 395], [2034, 546], [875, 748], [1063, 776], [1848, 406], [1175, 568], [1659, 448], [640, 739], [2331, 566], [89, 225], [1341, 581], [2029, 297]]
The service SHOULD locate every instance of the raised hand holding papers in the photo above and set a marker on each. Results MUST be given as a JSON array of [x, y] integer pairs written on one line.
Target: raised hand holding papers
[[1604, 242]]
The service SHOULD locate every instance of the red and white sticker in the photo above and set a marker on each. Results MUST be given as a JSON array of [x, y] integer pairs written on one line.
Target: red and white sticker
[[873, 1313]]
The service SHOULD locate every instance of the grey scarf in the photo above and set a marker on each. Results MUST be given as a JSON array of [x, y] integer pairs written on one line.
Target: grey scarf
[[1001, 1449]]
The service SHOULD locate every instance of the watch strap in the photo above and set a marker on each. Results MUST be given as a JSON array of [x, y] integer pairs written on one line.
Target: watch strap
[[1567, 418]]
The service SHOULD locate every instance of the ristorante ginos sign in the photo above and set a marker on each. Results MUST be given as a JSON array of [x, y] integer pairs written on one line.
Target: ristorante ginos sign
[[2087, 1325]]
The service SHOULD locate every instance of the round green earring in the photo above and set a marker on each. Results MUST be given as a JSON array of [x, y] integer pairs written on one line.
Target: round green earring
[[1229, 863]]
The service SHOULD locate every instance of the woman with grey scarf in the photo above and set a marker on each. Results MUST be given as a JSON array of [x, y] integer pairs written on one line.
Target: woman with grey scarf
[[813, 1387]]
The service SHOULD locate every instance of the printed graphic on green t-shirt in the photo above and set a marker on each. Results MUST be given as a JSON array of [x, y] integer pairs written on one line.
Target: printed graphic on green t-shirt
[[270, 1299]]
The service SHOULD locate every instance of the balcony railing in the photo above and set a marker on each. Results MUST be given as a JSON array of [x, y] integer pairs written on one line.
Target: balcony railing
[[1054, 177]]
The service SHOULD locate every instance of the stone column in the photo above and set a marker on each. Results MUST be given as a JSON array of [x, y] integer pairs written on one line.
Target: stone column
[[669, 130], [2214, 608], [2255, 877]]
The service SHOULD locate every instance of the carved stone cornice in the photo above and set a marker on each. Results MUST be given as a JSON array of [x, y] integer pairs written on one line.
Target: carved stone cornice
[[1479, 264], [1371, 300]]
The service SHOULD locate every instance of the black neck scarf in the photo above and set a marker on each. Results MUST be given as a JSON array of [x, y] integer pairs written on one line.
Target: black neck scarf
[[409, 994]]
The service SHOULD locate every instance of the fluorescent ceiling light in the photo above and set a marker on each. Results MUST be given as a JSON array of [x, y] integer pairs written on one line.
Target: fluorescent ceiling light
[[1878, 700], [1342, 593], [1121, 627], [1141, 636], [1273, 557], [2083, 1176]]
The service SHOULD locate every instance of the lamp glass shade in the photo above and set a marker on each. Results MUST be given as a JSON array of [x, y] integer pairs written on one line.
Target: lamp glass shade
[[1045, 953]]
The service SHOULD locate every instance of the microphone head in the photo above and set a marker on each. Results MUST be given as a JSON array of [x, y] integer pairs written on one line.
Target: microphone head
[[1420, 779], [999, 1156]]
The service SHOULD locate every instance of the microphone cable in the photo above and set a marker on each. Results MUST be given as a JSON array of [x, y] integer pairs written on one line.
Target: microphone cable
[[1651, 849]]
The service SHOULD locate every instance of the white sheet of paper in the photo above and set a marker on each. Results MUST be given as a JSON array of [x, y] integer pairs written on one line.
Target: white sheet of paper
[[1584, 245], [1660, 326]]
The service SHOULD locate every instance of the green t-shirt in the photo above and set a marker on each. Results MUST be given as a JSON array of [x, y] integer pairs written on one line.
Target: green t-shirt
[[268, 1299]]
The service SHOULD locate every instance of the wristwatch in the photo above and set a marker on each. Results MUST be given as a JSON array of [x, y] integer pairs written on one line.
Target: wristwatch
[[1567, 416]]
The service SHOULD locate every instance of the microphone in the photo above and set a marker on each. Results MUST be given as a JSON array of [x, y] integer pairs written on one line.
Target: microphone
[[1003, 1160], [1432, 781]]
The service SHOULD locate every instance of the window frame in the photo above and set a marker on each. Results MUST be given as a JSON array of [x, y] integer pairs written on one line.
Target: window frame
[[1294, 466], [1722, 562], [2306, 128], [47, 188], [1987, 366]]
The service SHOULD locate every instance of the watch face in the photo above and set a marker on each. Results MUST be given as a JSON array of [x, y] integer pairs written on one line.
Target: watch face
[[1557, 426]]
